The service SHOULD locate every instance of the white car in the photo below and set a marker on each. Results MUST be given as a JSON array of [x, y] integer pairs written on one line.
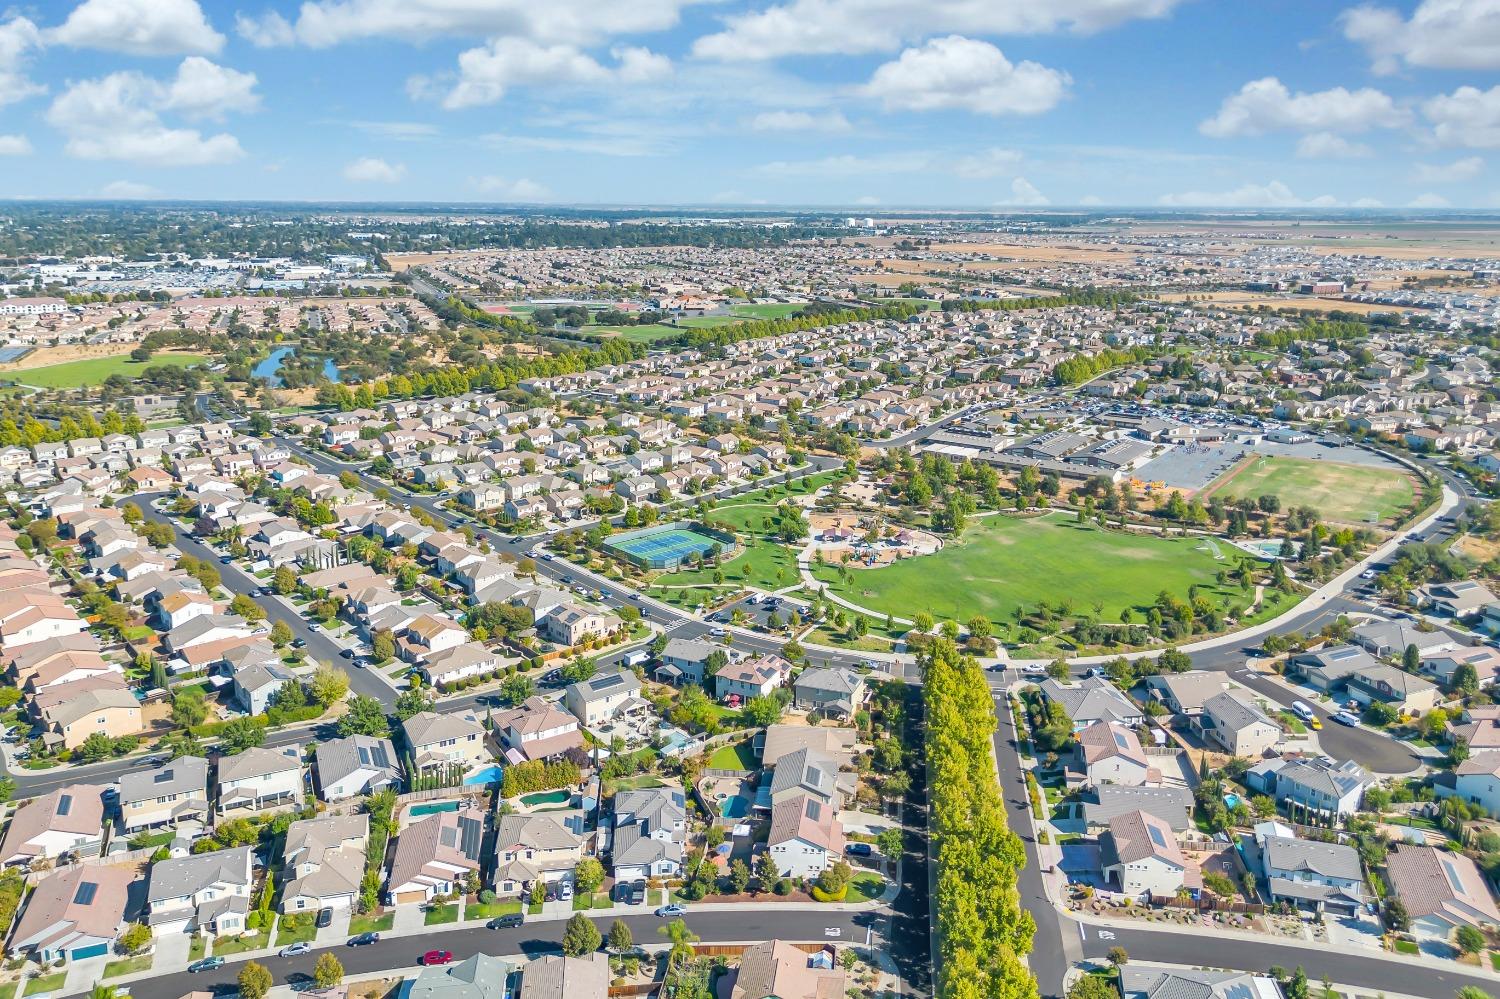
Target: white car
[[1034, 669]]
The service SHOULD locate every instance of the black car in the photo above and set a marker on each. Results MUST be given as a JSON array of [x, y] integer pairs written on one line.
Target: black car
[[551, 893], [299, 643], [325, 918], [638, 893], [506, 922], [347, 653], [360, 939], [226, 560]]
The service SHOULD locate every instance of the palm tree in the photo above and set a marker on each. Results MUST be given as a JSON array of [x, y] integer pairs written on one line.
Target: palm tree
[[682, 941]]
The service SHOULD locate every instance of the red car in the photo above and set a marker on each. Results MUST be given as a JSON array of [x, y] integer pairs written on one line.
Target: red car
[[437, 957]]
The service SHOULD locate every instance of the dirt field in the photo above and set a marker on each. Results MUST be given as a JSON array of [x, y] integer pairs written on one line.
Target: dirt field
[[45, 356], [1241, 300]]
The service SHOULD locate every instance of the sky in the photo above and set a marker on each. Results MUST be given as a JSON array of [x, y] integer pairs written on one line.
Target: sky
[[980, 104]]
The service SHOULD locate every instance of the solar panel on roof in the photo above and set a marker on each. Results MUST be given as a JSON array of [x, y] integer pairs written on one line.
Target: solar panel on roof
[[364, 755], [1120, 740], [448, 836], [1156, 837], [605, 682], [472, 832], [814, 809], [377, 753], [163, 776], [85, 894], [64, 804]]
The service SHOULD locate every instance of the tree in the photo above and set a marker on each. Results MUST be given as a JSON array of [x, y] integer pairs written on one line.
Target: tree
[[620, 937], [581, 936], [588, 875], [285, 581], [96, 747], [1469, 939], [889, 842], [329, 971], [255, 981], [412, 701], [1118, 956], [281, 634], [517, 687], [682, 940], [246, 608], [1466, 678], [383, 646], [1411, 658], [364, 716], [136, 938], [579, 669], [922, 620], [240, 734], [1472, 992], [766, 871], [762, 711], [329, 685], [1396, 916], [189, 707], [1092, 987], [739, 877]]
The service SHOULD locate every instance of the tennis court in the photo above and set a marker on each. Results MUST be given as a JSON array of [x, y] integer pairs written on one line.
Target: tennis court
[[665, 549]]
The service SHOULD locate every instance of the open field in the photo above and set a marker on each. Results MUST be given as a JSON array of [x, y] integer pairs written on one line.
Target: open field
[[1004, 562], [44, 357], [1346, 494], [92, 371], [1305, 303], [766, 310], [640, 334]]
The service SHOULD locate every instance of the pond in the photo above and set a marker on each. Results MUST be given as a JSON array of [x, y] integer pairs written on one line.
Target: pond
[[268, 369]]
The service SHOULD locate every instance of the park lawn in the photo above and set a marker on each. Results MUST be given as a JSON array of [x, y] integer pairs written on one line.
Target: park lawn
[[127, 966], [481, 910], [767, 564], [46, 983], [735, 756], [94, 370], [437, 915], [638, 334], [838, 638], [706, 322], [1343, 493], [767, 310], [371, 924], [1003, 563]]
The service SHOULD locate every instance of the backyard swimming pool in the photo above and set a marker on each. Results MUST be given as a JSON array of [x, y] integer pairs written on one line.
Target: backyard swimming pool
[[435, 808], [489, 775], [547, 798], [735, 807]]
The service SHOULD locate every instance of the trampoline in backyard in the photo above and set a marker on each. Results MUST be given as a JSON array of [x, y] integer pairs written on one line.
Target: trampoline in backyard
[[669, 547]]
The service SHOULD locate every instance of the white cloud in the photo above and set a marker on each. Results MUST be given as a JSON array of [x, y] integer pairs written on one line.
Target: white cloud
[[503, 189], [1266, 105], [799, 121], [127, 190], [807, 27], [993, 162], [370, 170], [604, 145], [867, 200], [848, 166], [15, 145], [1441, 34], [487, 72], [958, 72], [1367, 203], [1450, 173], [404, 131], [1272, 195], [1327, 146], [1023, 192], [321, 23], [118, 117], [139, 27], [18, 37], [1467, 117], [1091, 199], [1428, 200], [204, 89]]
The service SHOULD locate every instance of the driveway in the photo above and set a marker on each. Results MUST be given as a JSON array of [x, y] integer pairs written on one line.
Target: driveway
[[172, 952]]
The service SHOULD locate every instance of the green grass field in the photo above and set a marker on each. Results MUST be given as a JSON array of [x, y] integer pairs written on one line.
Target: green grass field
[[767, 310], [640, 334], [1346, 494], [1007, 562], [93, 370]]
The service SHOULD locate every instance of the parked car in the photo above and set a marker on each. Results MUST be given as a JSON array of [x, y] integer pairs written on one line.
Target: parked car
[[325, 918], [1303, 711], [226, 559], [859, 850], [435, 957], [1034, 669], [1346, 718], [668, 911], [206, 964], [638, 893], [300, 947], [564, 891], [299, 643], [506, 922], [346, 653], [361, 939]]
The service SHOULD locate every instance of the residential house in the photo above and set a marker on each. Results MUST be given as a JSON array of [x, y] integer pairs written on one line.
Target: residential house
[[775, 969], [1231, 721], [1442, 665], [650, 828], [1139, 854], [569, 624], [806, 836], [1459, 600], [1092, 699], [478, 976], [1110, 753], [1323, 877], [356, 765], [169, 794], [1159, 982], [206, 893], [685, 660], [603, 696], [751, 677], [441, 741], [260, 781], [536, 730], [73, 915], [833, 692], [108, 710], [544, 846], [323, 862], [255, 687], [1440, 890], [1185, 693], [561, 977], [69, 820], [1312, 784], [433, 856]]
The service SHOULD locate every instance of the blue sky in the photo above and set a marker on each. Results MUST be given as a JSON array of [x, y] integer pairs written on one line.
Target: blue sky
[[969, 103]]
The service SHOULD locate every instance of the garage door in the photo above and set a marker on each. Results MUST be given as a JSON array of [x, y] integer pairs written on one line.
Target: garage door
[[95, 950], [410, 896]]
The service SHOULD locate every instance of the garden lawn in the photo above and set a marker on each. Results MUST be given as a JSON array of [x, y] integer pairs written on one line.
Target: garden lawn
[[93, 370], [127, 966], [480, 910], [736, 756], [371, 924], [437, 915], [1343, 493], [8, 990], [305, 929], [865, 887], [1406, 947], [226, 946], [1003, 563], [46, 983]]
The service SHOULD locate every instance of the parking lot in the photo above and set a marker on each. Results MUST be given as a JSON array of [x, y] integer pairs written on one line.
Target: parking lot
[[758, 613]]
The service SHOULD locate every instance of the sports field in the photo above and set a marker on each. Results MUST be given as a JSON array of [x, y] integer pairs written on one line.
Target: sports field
[[640, 334], [664, 549], [94, 370], [1343, 493], [1002, 563]]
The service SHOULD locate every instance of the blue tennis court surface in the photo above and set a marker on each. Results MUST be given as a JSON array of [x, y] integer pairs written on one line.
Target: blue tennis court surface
[[665, 549]]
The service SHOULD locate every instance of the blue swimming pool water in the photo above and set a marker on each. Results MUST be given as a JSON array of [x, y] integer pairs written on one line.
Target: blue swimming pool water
[[435, 808], [735, 808], [489, 775]]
